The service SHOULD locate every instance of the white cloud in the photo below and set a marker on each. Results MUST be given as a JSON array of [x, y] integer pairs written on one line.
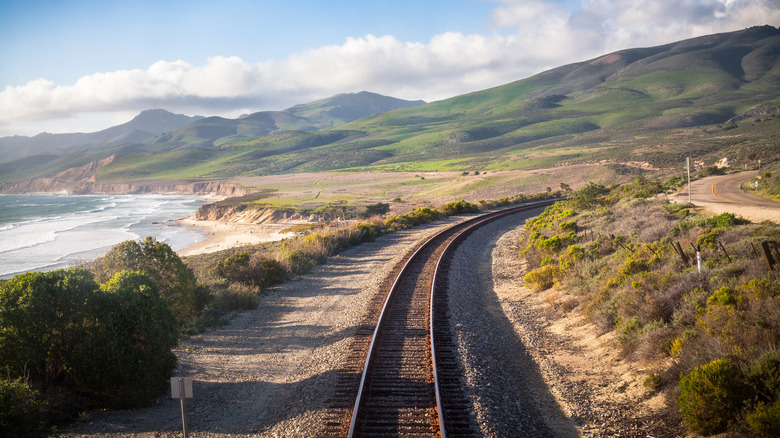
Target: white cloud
[[529, 36]]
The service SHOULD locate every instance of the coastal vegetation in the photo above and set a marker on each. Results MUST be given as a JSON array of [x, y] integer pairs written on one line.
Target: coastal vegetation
[[101, 335], [68, 343], [618, 256], [767, 183]]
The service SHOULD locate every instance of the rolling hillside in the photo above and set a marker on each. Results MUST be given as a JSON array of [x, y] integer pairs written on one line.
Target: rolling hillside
[[708, 97], [145, 125], [155, 131]]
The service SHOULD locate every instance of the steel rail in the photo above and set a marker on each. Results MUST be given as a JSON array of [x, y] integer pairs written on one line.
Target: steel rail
[[459, 231]]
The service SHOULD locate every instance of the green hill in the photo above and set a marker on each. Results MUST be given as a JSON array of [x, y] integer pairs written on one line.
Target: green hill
[[707, 97]]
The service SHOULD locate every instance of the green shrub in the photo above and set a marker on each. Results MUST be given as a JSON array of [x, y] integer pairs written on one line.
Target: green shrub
[[643, 188], [724, 296], [125, 359], [542, 278], [459, 207], [249, 270], [711, 397], [709, 238], [21, 410], [237, 296], [590, 196], [42, 320], [174, 279], [653, 381], [368, 232], [235, 269], [377, 209], [416, 217], [553, 244], [267, 272], [763, 376], [318, 247], [296, 262], [681, 210], [110, 343], [764, 419], [568, 226], [633, 266]]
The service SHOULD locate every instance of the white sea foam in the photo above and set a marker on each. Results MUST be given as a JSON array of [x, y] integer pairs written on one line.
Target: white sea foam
[[63, 239]]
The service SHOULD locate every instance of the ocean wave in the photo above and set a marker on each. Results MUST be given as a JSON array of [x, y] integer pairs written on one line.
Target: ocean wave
[[86, 228], [14, 241], [44, 230]]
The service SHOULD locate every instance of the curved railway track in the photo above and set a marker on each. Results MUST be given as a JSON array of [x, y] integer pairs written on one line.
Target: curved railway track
[[403, 374]]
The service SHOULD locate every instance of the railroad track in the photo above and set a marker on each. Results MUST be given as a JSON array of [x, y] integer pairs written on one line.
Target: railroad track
[[403, 375]]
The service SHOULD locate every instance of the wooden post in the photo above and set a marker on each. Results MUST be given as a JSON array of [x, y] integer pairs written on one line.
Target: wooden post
[[770, 261], [724, 251], [674, 247], [681, 252], [183, 399], [755, 253], [777, 251]]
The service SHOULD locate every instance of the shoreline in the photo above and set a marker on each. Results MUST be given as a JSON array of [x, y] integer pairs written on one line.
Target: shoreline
[[220, 235]]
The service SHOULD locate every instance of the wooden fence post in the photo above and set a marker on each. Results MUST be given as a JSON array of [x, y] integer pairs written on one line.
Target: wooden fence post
[[770, 261], [724, 251], [679, 249], [777, 251]]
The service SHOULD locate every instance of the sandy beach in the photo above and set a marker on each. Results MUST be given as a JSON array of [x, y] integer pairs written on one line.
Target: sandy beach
[[223, 235]]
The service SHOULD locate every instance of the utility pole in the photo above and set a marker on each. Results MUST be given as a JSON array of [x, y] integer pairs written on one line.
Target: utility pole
[[688, 165]]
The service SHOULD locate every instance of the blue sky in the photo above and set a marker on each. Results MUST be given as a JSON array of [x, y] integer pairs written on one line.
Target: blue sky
[[65, 40], [76, 65]]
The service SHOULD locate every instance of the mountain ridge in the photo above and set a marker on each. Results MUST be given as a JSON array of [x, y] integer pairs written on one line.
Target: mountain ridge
[[159, 126], [652, 105], [144, 125]]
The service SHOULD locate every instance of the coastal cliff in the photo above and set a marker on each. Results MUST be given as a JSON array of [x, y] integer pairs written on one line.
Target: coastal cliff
[[82, 181], [244, 214]]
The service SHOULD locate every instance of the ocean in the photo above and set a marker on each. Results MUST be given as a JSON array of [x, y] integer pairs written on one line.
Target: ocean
[[45, 232]]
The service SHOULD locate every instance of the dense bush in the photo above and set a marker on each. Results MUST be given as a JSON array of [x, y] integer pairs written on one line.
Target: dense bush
[[110, 344], [126, 359], [368, 232], [543, 277], [377, 209], [416, 217], [590, 196], [235, 268], [174, 279], [459, 207], [43, 318], [711, 397], [237, 296], [266, 271], [21, 410], [296, 262], [251, 270]]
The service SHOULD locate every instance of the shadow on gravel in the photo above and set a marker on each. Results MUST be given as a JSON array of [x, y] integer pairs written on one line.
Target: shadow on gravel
[[512, 391], [239, 401]]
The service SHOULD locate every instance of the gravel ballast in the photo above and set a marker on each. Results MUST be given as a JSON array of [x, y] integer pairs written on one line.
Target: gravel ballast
[[271, 371]]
